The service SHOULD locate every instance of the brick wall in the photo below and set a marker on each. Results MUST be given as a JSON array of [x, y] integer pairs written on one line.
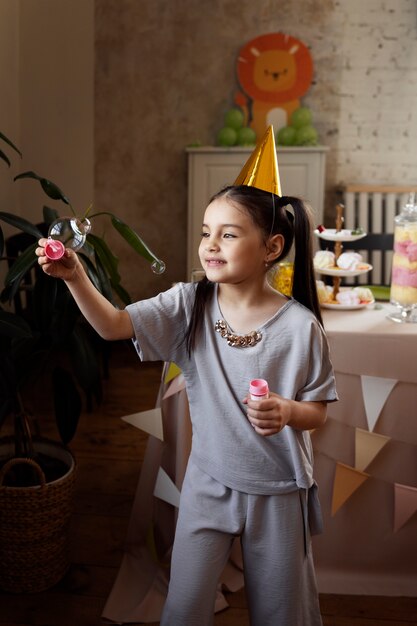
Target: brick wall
[[371, 124]]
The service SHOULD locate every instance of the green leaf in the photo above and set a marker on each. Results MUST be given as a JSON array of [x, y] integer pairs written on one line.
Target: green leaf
[[30, 362], [21, 224], [11, 325], [5, 294], [44, 301], [8, 375], [65, 315], [84, 358], [133, 239], [6, 408], [107, 258], [105, 284], [4, 157], [122, 293], [67, 402], [87, 249], [49, 215], [91, 270], [22, 265], [51, 189], [10, 143]]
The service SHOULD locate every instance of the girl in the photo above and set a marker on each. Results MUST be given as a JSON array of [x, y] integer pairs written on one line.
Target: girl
[[250, 468]]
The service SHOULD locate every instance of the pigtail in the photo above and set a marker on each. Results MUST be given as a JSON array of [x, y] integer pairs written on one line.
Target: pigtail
[[203, 293], [304, 282]]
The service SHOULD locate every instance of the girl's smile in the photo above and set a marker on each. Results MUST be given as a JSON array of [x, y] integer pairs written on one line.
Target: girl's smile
[[214, 262]]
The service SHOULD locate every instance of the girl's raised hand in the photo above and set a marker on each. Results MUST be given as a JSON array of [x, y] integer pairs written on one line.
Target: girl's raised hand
[[65, 268]]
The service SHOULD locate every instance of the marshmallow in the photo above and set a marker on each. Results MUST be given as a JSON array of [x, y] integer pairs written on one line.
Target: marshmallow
[[364, 294], [348, 297], [349, 260], [324, 292], [324, 259]]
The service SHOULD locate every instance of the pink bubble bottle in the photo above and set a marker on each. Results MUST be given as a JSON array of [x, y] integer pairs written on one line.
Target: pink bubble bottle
[[258, 389]]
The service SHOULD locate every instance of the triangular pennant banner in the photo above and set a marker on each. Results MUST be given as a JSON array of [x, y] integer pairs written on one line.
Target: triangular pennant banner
[[165, 489], [175, 386], [172, 372], [405, 504], [148, 421], [375, 392], [346, 481], [367, 446]]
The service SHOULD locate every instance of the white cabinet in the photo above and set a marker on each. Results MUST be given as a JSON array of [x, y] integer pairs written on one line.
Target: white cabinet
[[302, 173]]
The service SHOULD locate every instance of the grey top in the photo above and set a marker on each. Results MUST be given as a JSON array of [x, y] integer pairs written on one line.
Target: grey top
[[292, 356]]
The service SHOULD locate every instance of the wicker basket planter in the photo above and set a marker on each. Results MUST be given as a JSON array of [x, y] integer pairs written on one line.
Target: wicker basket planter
[[34, 524]]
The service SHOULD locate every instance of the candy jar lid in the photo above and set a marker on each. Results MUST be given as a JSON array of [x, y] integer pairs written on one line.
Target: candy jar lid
[[408, 212]]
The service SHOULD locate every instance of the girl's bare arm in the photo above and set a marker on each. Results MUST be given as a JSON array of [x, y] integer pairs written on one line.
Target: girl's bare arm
[[109, 322]]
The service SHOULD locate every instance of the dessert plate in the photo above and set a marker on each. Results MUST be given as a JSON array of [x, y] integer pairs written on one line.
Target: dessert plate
[[335, 271], [345, 307], [331, 234]]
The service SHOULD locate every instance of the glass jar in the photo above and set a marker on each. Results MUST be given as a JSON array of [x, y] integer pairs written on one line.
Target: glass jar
[[404, 264], [282, 278]]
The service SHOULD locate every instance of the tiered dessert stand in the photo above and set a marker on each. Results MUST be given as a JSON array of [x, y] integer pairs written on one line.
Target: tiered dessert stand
[[339, 236]]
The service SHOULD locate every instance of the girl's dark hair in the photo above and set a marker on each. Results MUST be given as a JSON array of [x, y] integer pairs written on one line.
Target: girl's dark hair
[[270, 215]]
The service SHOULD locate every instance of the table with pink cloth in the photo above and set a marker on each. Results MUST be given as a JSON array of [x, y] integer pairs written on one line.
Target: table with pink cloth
[[365, 465]]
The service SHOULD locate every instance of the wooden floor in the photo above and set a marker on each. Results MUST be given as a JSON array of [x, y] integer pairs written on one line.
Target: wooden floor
[[109, 453]]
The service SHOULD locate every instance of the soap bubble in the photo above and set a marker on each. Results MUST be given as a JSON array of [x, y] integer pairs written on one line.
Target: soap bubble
[[158, 266], [71, 231]]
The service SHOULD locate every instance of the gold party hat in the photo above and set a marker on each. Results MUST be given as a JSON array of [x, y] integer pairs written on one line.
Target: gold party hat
[[261, 169]]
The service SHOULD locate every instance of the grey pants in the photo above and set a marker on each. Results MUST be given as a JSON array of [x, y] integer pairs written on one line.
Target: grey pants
[[278, 568]]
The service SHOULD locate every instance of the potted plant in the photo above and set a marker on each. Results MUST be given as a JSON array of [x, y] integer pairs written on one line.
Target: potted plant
[[45, 341]]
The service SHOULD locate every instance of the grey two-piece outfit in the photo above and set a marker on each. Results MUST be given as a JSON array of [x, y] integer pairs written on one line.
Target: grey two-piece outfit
[[239, 483]]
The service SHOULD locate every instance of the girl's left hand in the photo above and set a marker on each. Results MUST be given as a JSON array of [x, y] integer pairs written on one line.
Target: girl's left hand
[[269, 416]]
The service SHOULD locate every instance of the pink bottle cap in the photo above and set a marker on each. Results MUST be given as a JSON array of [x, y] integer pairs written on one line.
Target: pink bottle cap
[[258, 387], [54, 249]]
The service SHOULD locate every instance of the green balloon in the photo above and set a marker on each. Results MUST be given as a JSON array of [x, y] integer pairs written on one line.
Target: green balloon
[[226, 137], [301, 117], [246, 136], [234, 119], [286, 136], [306, 136]]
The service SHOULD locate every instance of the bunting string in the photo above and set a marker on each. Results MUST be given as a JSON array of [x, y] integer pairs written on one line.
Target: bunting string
[[367, 445]]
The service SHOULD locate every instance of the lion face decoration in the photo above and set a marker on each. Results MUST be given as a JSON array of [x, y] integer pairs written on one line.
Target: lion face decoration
[[274, 71]]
